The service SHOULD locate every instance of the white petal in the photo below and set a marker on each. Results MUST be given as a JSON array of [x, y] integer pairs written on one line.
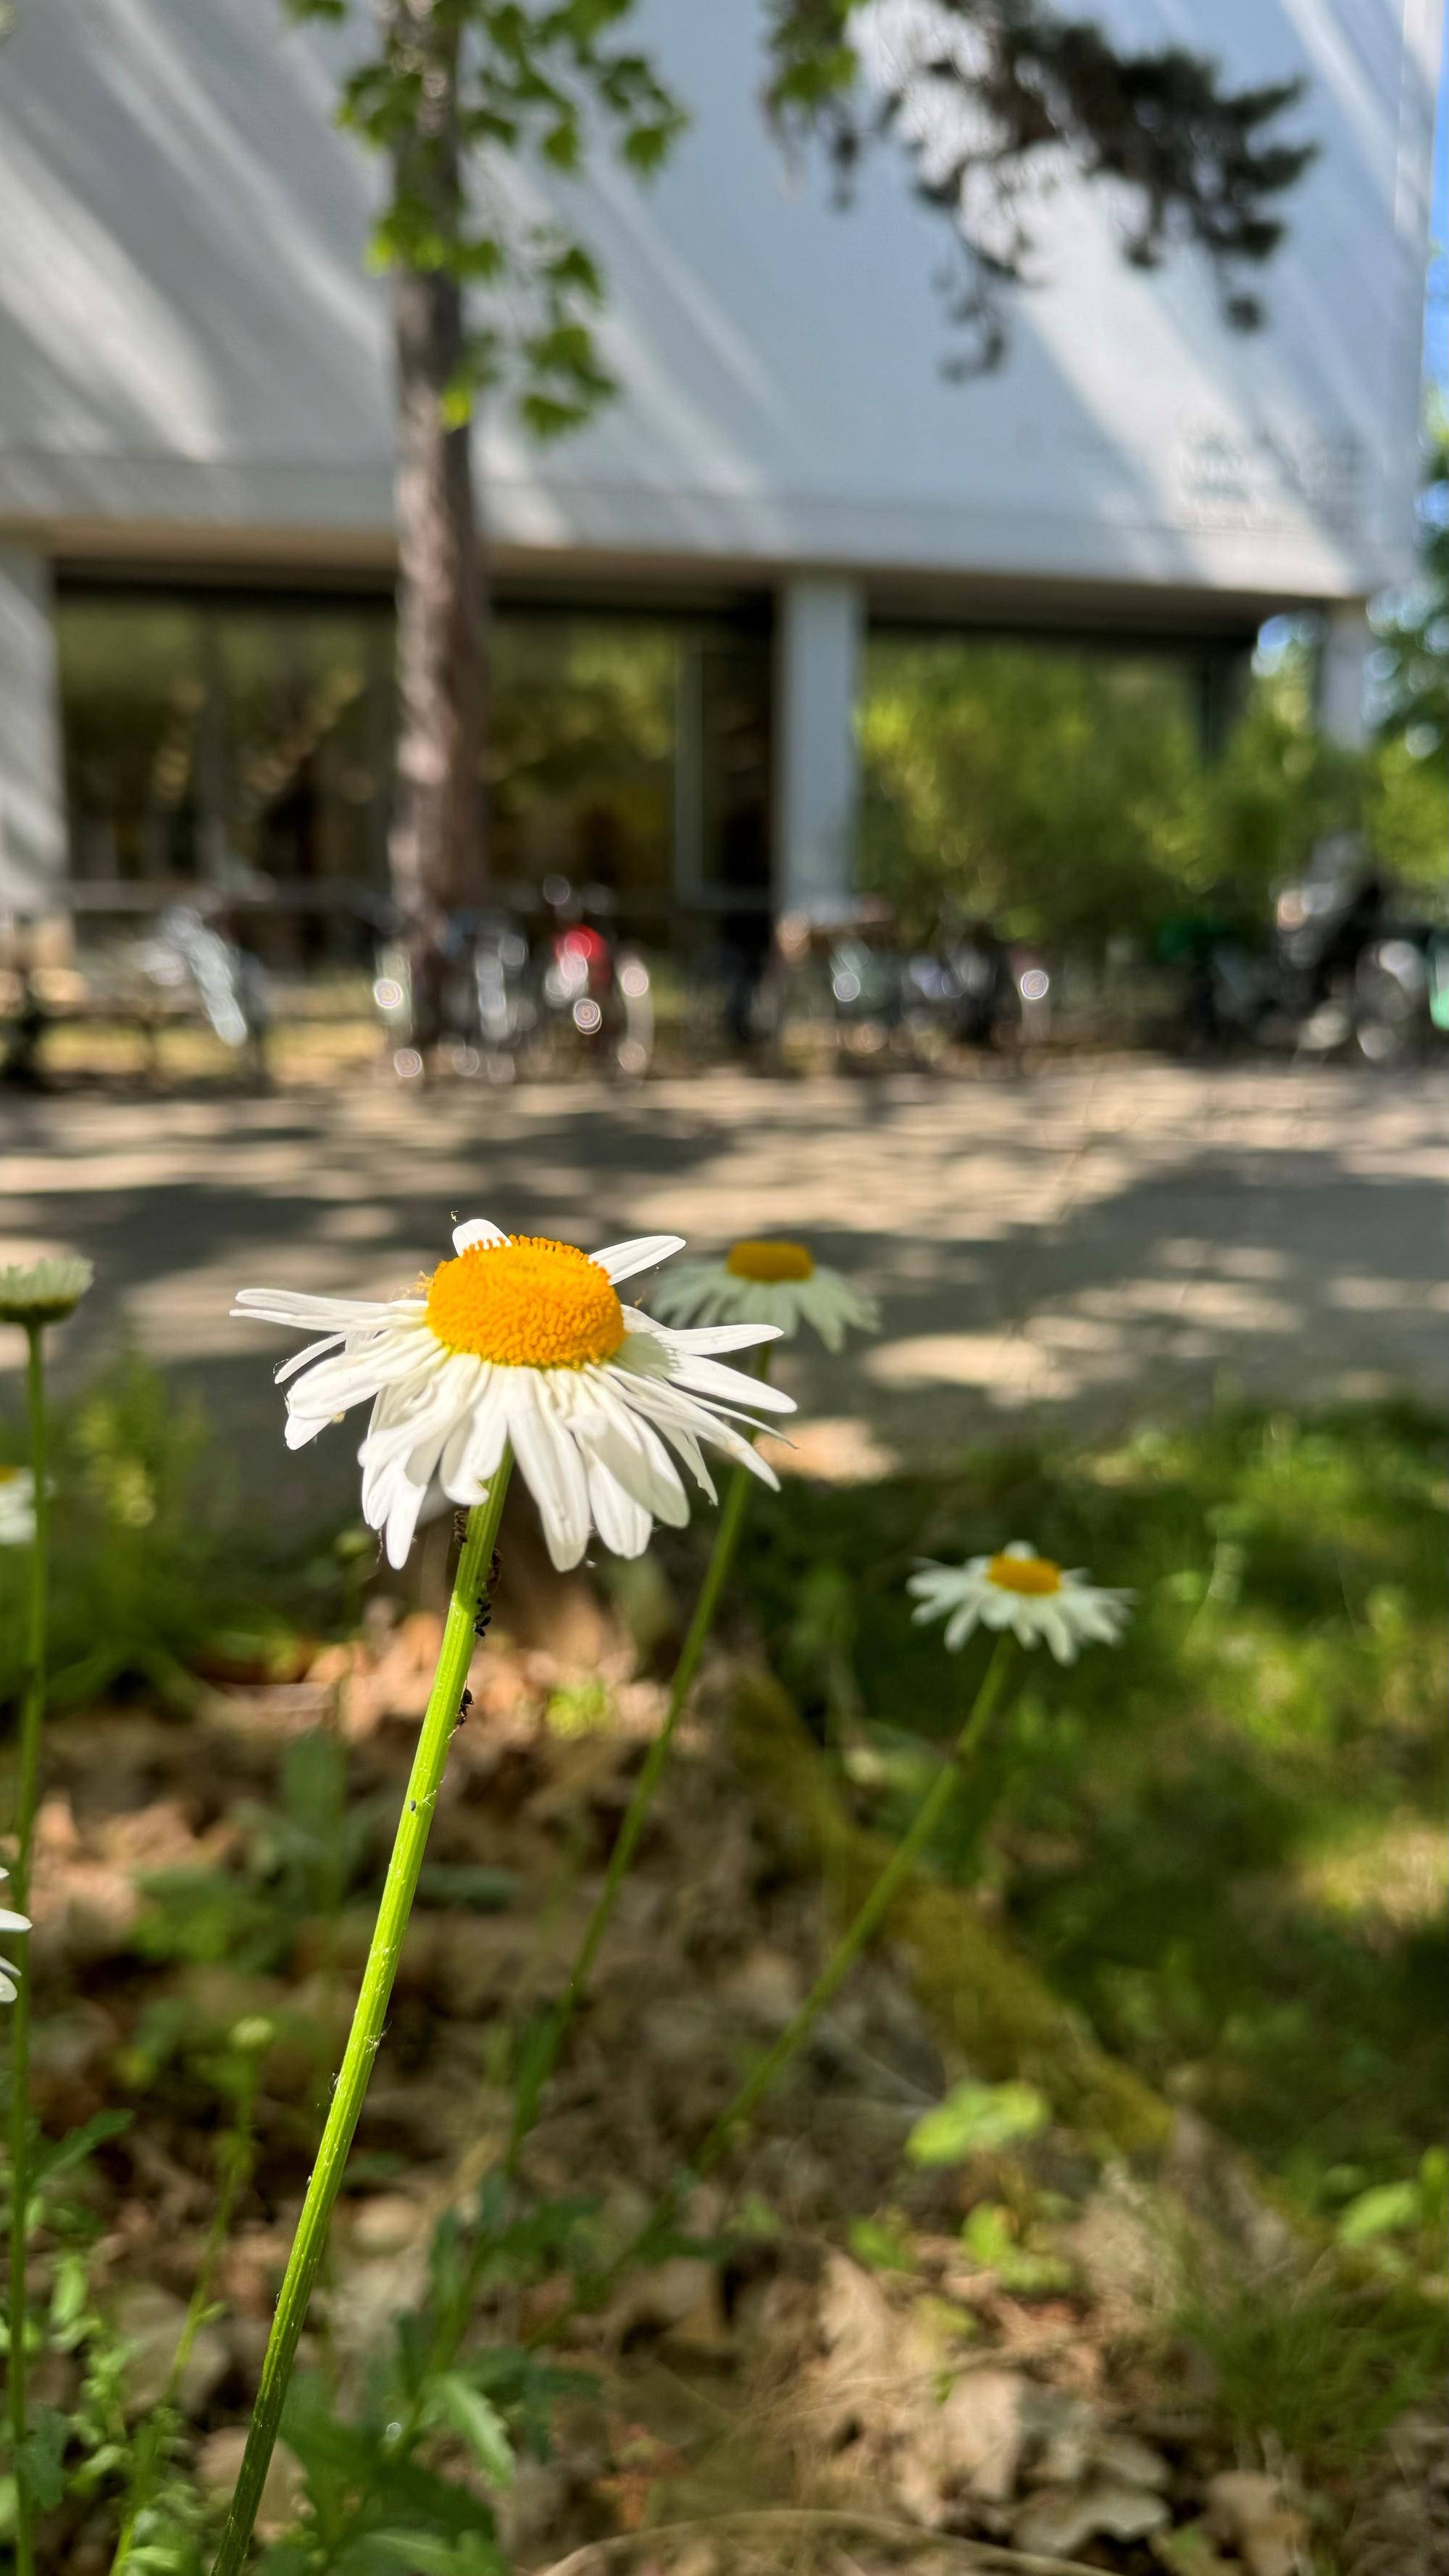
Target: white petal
[[477, 1230], [421, 1409], [299, 1428], [672, 1408], [636, 1458], [486, 1442], [685, 1446], [750, 1394], [1005, 1610], [706, 1337], [641, 1252], [963, 1625], [290, 1306], [1057, 1632], [697, 1288], [402, 1521], [622, 1524], [304, 1358], [356, 1375], [422, 1462], [550, 1466]]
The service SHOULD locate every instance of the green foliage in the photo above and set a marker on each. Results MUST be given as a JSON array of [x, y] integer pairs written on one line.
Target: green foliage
[[1056, 793], [1410, 668], [992, 2237], [881, 2246], [1324, 2369], [1222, 1841], [1188, 159], [83, 2446], [152, 1561], [1402, 2223], [303, 1855], [455, 88], [400, 2482], [450, 92], [1066, 796], [582, 1708], [974, 2120]]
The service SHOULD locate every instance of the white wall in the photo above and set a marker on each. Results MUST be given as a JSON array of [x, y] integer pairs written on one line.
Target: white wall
[[188, 342], [32, 829]]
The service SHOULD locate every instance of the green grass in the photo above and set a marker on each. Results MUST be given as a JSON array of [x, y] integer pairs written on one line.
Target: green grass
[[156, 1566], [1220, 1840], [1324, 2370]]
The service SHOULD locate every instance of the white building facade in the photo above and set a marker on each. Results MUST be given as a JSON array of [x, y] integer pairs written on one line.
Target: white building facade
[[195, 452]]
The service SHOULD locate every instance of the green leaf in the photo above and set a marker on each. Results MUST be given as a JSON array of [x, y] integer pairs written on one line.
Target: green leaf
[[645, 146], [336, 2456], [988, 2238], [453, 2402], [406, 2552], [41, 2455], [1390, 2209], [562, 144], [71, 2295], [73, 2150], [416, 2495], [573, 268], [874, 2243], [1434, 2187], [170, 2554], [974, 2120]]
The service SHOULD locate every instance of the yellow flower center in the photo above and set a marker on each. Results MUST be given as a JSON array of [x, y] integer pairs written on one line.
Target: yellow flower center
[[9, 1475], [769, 1262], [1030, 1574], [526, 1303]]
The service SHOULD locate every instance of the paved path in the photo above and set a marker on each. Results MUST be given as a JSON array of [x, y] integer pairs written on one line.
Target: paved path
[[1087, 1244]]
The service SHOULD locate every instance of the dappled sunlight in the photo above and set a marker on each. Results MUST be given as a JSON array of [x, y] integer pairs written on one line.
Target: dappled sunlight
[[1077, 1244], [1391, 1878]]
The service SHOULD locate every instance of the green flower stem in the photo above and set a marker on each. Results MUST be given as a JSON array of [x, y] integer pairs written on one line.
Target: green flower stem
[[540, 2064], [365, 2037], [842, 1958], [32, 1712]]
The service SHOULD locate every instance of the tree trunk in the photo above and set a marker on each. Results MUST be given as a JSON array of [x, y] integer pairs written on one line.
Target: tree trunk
[[436, 846]]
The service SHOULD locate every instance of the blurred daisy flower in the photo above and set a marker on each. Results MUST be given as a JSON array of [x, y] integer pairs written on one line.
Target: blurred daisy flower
[[42, 1292], [17, 1507], [762, 1282], [1026, 1593], [10, 1922], [519, 1339]]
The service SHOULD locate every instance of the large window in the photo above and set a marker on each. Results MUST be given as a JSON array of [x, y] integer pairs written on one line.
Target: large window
[[219, 739], [210, 739]]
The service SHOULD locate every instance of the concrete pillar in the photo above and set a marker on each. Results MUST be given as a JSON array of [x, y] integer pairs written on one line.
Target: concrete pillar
[[1342, 674], [32, 796], [817, 668]]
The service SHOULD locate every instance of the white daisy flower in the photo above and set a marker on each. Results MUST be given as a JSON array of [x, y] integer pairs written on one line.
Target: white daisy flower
[[42, 1292], [521, 1340], [1026, 1593], [10, 1922], [763, 1282], [17, 1507]]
